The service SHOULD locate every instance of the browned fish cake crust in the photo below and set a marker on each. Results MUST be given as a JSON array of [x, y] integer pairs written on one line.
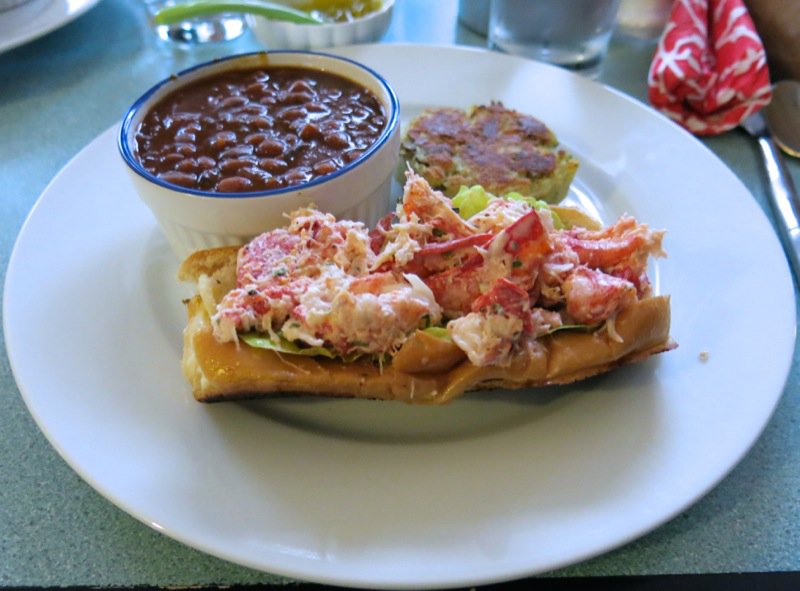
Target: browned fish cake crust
[[488, 145]]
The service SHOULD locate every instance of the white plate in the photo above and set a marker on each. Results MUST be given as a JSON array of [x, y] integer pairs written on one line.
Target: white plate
[[492, 487], [35, 18]]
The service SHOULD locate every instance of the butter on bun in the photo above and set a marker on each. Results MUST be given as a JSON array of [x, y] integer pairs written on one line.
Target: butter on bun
[[424, 307]]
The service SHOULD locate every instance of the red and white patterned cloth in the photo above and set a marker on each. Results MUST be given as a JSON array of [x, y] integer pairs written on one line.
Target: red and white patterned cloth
[[710, 68]]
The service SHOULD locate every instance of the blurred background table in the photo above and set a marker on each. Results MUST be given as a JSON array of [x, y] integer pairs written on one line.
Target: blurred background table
[[58, 93]]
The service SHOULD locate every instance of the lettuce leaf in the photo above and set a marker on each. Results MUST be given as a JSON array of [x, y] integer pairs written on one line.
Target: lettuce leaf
[[538, 205], [260, 340], [575, 327], [471, 200], [440, 332]]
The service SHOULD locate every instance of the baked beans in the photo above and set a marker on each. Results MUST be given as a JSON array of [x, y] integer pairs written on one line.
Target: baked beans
[[258, 129]]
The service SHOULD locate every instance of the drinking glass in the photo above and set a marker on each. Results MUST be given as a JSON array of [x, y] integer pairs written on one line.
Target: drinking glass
[[208, 29], [569, 33]]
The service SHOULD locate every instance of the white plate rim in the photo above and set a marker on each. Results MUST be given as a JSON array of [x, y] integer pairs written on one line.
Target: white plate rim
[[54, 15], [782, 340]]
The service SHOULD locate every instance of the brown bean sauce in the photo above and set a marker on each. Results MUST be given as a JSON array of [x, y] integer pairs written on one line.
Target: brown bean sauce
[[253, 130]]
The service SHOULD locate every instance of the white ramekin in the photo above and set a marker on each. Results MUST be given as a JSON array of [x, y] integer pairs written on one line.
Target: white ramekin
[[194, 220]]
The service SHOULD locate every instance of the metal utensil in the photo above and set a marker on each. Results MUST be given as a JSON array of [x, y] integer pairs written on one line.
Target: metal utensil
[[782, 193], [783, 116]]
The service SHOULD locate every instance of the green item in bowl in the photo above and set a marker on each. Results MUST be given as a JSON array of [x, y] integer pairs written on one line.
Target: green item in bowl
[[199, 8], [339, 11]]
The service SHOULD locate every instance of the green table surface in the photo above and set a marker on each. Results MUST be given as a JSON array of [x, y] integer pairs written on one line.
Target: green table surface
[[57, 93]]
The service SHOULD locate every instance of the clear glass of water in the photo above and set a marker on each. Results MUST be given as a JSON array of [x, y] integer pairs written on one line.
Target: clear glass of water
[[208, 29], [569, 33]]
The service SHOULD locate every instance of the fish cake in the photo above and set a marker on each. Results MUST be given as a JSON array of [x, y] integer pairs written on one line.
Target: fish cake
[[498, 148]]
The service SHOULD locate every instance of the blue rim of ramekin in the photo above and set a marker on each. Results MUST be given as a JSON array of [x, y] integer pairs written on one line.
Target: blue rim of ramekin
[[134, 164]]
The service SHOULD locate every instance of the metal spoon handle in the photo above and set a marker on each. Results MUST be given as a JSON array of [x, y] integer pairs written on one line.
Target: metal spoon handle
[[784, 201]]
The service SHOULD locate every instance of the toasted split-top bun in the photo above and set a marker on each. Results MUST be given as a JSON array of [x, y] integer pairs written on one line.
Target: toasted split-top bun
[[426, 370]]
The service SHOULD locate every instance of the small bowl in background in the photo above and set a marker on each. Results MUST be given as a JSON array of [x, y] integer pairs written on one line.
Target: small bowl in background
[[194, 219], [286, 35]]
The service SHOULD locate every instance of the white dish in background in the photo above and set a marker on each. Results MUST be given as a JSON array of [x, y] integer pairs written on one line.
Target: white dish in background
[[286, 35], [11, 4], [493, 487], [35, 18]]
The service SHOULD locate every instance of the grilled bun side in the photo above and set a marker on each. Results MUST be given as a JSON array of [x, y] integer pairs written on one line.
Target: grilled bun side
[[230, 371], [499, 148], [208, 262]]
